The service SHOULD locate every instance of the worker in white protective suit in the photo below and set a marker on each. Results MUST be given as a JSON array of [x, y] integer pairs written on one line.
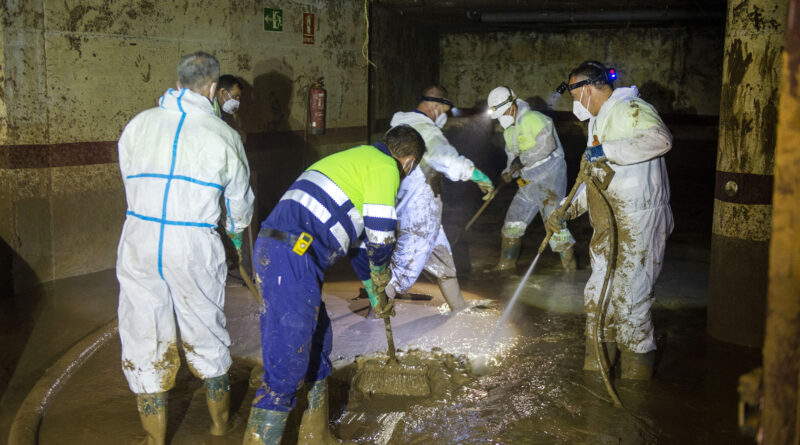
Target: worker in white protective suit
[[176, 161], [626, 133], [421, 241], [536, 159]]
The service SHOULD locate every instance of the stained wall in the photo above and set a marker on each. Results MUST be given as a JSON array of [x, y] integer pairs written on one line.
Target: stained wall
[[74, 72]]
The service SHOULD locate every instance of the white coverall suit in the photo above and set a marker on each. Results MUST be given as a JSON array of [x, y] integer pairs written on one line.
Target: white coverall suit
[[534, 140], [176, 160], [634, 139], [421, 241]]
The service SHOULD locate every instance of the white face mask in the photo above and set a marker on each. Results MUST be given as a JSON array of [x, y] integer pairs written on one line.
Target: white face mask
[[581, 112], [441, 119], [231, 105], [506, 120]]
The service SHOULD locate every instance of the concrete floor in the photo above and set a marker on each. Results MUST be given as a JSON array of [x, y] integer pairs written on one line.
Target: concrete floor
[[536, 393]]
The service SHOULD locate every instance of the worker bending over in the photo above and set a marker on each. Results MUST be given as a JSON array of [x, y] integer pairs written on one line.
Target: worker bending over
[[333, 204], [536, 158], [626, 133], [421, 241], [176, 161]]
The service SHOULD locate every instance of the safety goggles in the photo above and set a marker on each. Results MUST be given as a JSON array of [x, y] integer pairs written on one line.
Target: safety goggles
[[564, 87]]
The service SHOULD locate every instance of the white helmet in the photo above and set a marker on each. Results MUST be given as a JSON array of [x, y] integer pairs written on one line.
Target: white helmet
[[500, 100]]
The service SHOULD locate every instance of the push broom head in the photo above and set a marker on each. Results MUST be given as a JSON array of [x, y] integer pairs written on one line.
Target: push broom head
[[379, 377]]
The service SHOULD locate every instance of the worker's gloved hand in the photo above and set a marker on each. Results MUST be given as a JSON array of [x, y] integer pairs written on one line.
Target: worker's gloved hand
[[236, 239], [483, 182], [385, 307], [380, 276], [512, 170], [555, 222], [593, 154]]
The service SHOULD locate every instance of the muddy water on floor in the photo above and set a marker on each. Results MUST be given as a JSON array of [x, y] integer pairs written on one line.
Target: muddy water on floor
[[539, 394], [536, 394]]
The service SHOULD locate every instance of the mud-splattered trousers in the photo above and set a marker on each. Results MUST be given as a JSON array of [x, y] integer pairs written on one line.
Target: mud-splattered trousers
[[340, 198], [533, 139], [177, 161], [295, 329], [634, 139]]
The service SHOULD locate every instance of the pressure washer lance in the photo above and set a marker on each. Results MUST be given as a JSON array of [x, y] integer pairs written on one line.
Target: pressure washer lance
[[542, 247]]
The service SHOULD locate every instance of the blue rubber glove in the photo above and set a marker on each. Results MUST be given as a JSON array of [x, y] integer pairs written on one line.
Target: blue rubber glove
[[483, 182], [236, 239], [595, 153]]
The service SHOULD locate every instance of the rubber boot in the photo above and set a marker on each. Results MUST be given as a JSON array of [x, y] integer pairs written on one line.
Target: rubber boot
[[218, 399], [452, 294], [568, 259], [265, 427], [638, 366], [509, 252], [590, 355], [314, 427], [153, 414]]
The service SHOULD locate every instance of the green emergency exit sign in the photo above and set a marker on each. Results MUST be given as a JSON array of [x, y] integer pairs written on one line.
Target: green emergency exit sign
[[273, 19]]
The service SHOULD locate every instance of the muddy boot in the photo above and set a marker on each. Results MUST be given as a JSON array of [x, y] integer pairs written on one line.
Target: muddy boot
[[314, 427], [568, 259], [590, 355], [153, 414], [452, 294], [218, 399], [264, 427], [637, 366], [509, 252]]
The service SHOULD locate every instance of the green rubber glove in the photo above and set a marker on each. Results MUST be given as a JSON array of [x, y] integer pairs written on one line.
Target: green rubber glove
[[483, 182], [379, 277], [370, 288], [236, 239]]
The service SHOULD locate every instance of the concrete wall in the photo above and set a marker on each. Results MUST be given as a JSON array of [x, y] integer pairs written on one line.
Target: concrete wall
[[672, 67], [74, 72]]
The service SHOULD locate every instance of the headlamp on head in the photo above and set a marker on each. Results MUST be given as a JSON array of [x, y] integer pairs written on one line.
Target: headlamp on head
[[499, 101], [441, 100], [608, 75], [500, 105]]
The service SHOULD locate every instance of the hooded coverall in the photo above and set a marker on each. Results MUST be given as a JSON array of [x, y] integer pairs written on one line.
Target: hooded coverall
[[421, 241], [176, 160], [337, 201], [634, 139], [534, 140]]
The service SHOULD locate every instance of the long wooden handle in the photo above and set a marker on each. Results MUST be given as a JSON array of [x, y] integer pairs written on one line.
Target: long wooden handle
[[390, 339], [483, 207], [382, 299]]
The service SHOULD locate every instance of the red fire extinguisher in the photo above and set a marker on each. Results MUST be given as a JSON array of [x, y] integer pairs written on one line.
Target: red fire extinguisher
[[316, 108]]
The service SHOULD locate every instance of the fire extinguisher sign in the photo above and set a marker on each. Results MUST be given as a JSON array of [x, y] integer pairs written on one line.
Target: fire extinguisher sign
[[308, 28]]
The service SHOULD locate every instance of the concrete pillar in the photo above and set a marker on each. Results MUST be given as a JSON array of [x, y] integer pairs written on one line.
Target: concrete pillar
[[754, 37], [782, 342]]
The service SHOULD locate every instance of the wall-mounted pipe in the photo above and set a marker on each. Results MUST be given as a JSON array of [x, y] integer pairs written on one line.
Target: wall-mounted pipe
[[653, 15]]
